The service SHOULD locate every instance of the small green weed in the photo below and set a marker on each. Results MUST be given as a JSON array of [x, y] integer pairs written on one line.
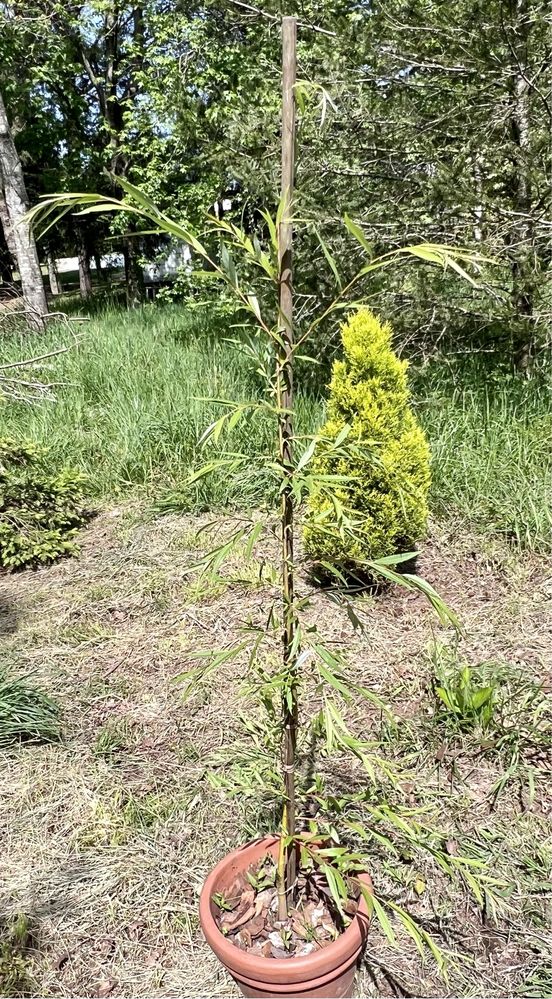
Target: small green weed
[[113, 738], [26, 712], [85, 631], [497, 712], [462, 702], [14, 972]]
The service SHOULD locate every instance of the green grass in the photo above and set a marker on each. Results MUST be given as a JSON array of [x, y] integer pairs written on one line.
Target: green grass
[[133, 408], [490, 432], [25, 712]]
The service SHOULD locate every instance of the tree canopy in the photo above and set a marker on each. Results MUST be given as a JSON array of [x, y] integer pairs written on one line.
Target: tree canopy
[[426, 121]]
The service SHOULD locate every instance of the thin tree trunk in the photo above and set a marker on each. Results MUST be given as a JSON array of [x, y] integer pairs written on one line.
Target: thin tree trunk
[[7, 245], [98, 262], [85, 277], [134, 275], [6, 276], [111, 105], [5, 222], [285, 406], [53, 276], [478, 211], [523, 232], [15, 197]]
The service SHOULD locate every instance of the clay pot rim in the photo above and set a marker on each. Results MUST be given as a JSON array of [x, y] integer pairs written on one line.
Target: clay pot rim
[[270, 969]]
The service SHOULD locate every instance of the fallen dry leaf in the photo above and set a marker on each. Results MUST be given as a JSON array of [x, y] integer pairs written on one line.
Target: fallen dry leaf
[[263, 900], [154, 956], [258, 948], [136, 929], [279, 953], [107, 946], [105, 988], [239, 885], [298, 927], [244, 937], [242, 916], [255, 926]]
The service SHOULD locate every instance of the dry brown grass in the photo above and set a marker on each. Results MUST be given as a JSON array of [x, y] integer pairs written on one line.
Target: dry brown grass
[[106, 838]]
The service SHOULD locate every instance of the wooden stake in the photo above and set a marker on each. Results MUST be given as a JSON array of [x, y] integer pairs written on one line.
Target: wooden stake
[[285, 405]]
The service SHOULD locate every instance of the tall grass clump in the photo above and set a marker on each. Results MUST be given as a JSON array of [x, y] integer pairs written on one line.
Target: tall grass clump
[[490, 433], [26, 712]]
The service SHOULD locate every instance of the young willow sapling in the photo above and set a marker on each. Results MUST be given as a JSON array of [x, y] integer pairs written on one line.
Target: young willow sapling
[[305, 656]]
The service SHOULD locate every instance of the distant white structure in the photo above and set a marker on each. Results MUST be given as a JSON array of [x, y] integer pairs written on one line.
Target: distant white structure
[[65, 265], [178, 258], [167, 266]]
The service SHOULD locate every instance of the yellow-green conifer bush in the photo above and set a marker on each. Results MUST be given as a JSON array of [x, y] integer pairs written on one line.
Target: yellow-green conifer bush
[[386, 468]]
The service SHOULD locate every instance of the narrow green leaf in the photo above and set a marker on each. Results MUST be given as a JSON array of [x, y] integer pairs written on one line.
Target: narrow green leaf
[[330, 259], [358, 234]]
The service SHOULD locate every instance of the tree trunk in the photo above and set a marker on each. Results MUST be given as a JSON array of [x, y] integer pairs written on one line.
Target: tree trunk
[[98, 262], [522, 241], [15, 197], [85, 277], [478, 211], [5, 222], [7, 247], [55, 286], [134, 276], [112, 93], [6, 276]]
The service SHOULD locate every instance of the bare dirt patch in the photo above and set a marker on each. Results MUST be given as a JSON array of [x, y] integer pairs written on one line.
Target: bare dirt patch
[[107, 837]]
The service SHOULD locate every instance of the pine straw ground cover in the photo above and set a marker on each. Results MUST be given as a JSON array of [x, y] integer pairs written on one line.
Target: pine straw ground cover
[[107, 835]]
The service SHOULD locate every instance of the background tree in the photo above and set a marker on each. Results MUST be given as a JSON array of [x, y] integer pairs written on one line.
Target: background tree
[[19, 235], [429, 121]]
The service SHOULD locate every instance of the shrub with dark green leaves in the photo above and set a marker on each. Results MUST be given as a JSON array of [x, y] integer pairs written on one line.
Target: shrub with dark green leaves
[[40, 510], [385, 473]]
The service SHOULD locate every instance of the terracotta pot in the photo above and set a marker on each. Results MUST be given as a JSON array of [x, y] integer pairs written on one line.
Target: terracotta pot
[[329, 971]]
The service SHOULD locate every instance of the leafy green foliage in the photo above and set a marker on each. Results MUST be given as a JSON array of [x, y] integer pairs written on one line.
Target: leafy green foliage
[[385, 488], [40, 511], [26, 712]]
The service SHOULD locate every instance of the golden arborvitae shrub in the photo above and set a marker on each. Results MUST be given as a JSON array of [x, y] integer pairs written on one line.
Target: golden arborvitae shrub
[[384, 497]]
